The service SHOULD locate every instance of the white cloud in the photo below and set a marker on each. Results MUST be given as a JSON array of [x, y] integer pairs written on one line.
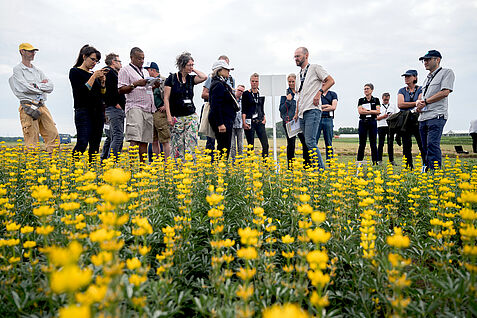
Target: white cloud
[[357, 42]]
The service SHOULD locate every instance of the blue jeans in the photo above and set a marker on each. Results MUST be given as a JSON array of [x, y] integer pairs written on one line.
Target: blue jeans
[[326, 124], [309, 124], [431, 133], [116, 132], [368, 127]]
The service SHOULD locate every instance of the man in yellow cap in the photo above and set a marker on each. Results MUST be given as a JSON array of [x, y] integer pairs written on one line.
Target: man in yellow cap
[[30, 86]]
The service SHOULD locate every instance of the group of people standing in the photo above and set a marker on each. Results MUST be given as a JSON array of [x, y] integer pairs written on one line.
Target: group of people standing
[[422, 112], [161, 110]]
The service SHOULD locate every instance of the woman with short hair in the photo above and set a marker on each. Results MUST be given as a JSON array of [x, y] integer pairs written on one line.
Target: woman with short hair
[[368, 109], [223, 107], [88, 90], [180, 109]]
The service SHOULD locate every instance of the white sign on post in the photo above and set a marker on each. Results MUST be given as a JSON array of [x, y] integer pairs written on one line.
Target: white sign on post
[[273, 85]]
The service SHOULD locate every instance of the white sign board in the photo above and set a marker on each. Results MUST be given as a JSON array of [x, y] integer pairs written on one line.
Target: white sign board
[[273, 85]]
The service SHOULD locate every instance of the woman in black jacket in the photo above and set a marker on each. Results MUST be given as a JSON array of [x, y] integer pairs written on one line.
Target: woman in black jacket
[[223, 106], [88, 91]]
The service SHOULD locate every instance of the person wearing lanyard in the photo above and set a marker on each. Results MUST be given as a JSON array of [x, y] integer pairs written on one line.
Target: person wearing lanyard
[[432, 107], [407, 97], [314, 80], [287, 112], [368, 109], [180, 109], [253, 115], [329, 102], [139, 102], [384, 132]]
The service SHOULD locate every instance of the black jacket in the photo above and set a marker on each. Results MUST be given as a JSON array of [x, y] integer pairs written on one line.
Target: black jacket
[[249, 107], [222, 105], [112, 96]]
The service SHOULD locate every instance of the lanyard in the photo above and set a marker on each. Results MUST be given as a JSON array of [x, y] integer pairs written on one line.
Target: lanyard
[[137, 70], [429, 81], [302, 78], [255, 97], [411, 95]]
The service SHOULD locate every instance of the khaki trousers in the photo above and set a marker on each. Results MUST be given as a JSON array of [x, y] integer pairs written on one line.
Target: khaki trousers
[[44, 126]]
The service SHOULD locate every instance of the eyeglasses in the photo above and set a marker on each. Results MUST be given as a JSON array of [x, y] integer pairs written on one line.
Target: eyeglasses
[[118, 61], [94, 59]]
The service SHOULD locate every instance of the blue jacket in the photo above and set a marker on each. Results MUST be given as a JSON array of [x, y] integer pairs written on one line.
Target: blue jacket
[[287, 107]]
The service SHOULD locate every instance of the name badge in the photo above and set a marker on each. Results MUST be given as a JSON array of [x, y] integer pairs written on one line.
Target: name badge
[[187, 101], [254, 116], [106, 126], [248, 121], [149, 91]]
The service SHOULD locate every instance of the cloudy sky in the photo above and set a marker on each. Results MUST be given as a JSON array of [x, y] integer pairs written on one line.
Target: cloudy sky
[[356, 42]]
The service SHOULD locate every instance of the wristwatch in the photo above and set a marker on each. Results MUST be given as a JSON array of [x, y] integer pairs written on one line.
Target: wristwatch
[[321, 90], [132, 86], [425, 101]]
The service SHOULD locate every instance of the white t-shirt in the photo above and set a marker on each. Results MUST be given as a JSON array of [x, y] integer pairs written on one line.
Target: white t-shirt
[[315, 76], [386, 109]]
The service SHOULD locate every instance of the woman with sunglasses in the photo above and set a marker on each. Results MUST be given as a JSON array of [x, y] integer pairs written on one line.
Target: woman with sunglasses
[[88, 90]]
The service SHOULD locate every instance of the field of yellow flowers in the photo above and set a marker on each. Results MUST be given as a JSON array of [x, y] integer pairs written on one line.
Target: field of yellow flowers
[[197, 238]]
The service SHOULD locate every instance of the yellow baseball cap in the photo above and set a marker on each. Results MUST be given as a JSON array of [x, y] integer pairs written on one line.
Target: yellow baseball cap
[[27, 46]]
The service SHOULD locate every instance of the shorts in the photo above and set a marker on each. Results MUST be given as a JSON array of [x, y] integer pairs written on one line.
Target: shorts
[[139, 125], [161, 127]]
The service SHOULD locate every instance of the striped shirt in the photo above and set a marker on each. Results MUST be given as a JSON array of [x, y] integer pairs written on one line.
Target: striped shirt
[[142, 96]]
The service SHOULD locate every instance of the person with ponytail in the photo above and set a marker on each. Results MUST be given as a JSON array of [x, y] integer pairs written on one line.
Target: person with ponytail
[[88, 90]]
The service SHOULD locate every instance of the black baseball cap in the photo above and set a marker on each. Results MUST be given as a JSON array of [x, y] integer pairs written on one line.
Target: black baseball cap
[[431, 54], [410, 73]]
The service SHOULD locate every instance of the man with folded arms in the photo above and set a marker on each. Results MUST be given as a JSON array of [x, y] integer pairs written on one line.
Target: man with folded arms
[[30, 86], [432, 106]]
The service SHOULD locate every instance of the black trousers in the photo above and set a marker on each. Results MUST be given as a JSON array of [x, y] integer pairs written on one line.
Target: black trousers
[[367, 127], [259, 128], [384, 133], [407, 145], [474, 142], [291, 143], [224, 141], [89, 130]]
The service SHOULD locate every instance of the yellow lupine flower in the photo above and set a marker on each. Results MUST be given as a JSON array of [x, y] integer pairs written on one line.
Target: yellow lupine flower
[[247, 253], [133, 263], [74, 311], [285, 311], [70, 279]]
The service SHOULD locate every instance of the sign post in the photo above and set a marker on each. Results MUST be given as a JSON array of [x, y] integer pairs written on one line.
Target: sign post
[[273, 85]]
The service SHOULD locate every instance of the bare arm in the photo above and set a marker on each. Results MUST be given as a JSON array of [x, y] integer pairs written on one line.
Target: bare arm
[[167, 95], [205, 93], [200, 76], [332, 107], [434, 98], [404, 105]]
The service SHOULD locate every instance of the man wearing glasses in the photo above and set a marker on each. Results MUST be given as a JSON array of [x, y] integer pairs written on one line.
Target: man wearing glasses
[[30, 86], [313, 82], [432, 107], [115, 104]]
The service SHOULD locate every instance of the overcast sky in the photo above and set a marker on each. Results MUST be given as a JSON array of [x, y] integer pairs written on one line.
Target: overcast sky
[[355, 41]]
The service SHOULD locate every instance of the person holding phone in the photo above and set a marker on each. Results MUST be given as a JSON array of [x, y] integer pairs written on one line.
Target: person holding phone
[[369, 108], [88, 90], [180, 108]]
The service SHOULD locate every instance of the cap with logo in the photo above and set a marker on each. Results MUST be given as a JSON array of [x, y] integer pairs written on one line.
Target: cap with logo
[[430, 54], [221, 64], [27, 47], [410, 73], [152, 65]]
